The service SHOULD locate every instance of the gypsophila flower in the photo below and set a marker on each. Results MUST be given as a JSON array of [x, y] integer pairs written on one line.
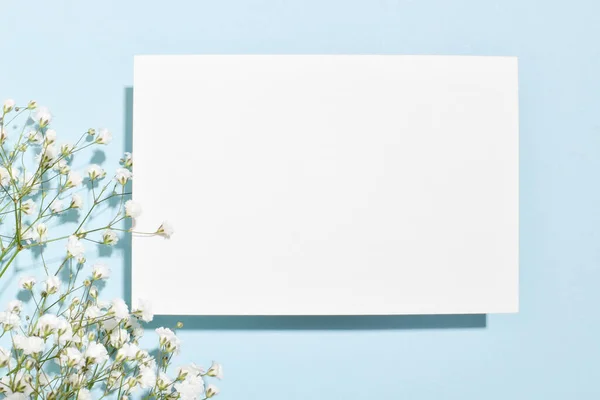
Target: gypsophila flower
[[66, 149], [133, 209], [57, 206], [165, 229], [51, 284], [118, 337], [62, 167], [168, 340], [9, 320], [95, 353], [28, 206], [119, 309], [211, 390], [29, 344], [4, 357], [74, 179], [74, 247], [46, 325], [76, 201], [143, 310], [123, 175], [50, 136], [84, 394], [14, 306], [215, 370], [71, 357], [4, 176], [110, 237], [104, 136], [41, 232], [35, 137], [43, 117], [100, 271], [27, 283], [9, 104], [95, 172], [190, 388], [127, 160]]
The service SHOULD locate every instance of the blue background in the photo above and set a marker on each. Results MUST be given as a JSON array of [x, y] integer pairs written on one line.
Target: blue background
[[76, 57]]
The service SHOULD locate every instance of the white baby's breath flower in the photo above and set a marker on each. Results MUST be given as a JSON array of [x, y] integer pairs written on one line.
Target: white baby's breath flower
[[74, 179], [93, 312], [62, 167], [191, 388], [84, 394], [4, 357], [43, 116], [147, 377], [27, 282], [9, 321], [110, 237], [100, 271], [186, 371], [34, 137], [123, 175], [75, 248], [215, 370], [119, 309], [163, 381], [52, 284], [127, 160], [133, 209], [96, 353], [50, 136], [104, 136], [46, 325], [41, 232], [71, 357], [9, 104], [168, 340], [76, 201], [47, 155], [14, 306], [211, 390], [28, 206], [64, 331], [66, 149], [95, 172], [57, 206], [29, 344], [4, 176], [128, 352], [143, 310], [165, 229], [118, 337], [135, 327]]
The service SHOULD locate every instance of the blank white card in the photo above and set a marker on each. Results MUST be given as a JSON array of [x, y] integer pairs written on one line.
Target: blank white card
[[327, 184]]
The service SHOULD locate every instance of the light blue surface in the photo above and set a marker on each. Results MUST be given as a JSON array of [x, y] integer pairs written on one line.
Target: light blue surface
[[77, 58]]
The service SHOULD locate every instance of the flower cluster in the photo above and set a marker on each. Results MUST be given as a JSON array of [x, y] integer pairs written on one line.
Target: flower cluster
[[75, 344], [33, 196]]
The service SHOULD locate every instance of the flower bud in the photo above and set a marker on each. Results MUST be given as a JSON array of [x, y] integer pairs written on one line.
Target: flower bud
[[29, 364], [9, 104], [32, 105]]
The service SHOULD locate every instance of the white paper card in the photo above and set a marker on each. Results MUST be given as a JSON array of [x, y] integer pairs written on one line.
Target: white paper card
[[327, 184]]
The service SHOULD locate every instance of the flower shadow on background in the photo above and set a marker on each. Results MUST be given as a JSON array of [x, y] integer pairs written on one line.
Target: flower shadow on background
[[336, 322]]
